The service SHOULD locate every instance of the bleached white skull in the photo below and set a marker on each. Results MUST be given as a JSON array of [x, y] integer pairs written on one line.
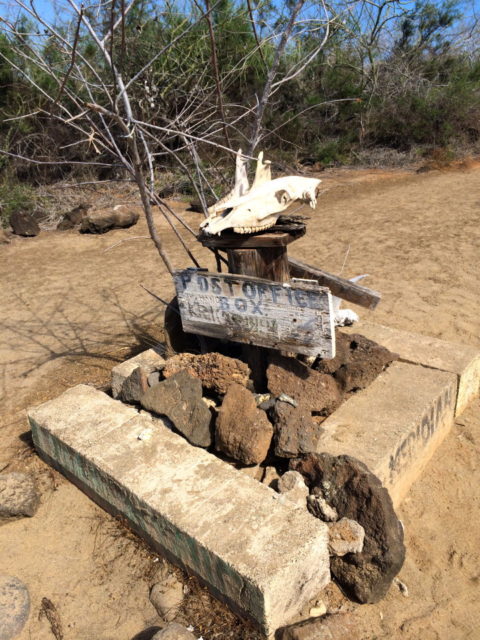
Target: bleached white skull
[[263, 172], [241, 186], [260, 208]]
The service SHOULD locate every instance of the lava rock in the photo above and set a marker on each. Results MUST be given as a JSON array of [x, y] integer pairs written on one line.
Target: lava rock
[[296, 432], [24, 224], [345, 536], [167, 596], [14, 606], [180, 399], [243, 432], [217, 372], [339, 626], [356, 493], [342, 353], [18, 495], [153, 378], [293, 487], [135, 385], [313, 390], [174, 631], [103, 220], [128, 384], [358, 363], [73, 218]]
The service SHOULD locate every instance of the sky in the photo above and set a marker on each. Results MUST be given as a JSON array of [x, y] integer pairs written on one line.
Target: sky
[[50, 9]]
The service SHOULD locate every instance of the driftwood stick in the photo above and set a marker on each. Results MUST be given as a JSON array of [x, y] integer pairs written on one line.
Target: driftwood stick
[[340, 287]]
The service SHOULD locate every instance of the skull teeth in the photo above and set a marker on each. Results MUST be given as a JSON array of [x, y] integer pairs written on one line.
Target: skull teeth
[[253, 229]]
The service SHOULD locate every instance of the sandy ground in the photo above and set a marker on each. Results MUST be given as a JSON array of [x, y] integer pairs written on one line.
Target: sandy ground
[[70, 309]]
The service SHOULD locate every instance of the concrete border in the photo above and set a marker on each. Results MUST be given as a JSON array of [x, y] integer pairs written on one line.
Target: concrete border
[[220, 524], [265, 557], [395, 425], [462, 360]]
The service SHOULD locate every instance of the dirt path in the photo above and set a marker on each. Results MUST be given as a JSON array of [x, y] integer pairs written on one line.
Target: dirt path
[[70, 310]]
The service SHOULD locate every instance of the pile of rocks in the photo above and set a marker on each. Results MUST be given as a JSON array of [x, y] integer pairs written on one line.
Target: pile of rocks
[[210, 398], [274, 436]]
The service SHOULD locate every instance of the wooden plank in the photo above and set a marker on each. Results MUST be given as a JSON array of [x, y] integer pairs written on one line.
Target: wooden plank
[[257, 311], [340, 287], [264, 262]]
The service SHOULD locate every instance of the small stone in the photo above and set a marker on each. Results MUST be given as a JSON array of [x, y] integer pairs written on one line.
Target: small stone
[[180, 399], [339, 626], [319, 610], [358, 494], [216, 371], [293, 486], [345, 536], [74, 217], [153, 378], [14, 606], [149, 361], [23, 224], [243, 432], [18, 495], [271, 477], [145, 434], [313, 390], [211, 404], [319, 507], [167, 597], [174, 631], [103, 220], [402, 587], [284, 398], [264, 401], [296, 432]]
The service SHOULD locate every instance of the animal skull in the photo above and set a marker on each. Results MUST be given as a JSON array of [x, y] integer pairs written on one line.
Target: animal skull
[[241, 186], [261, 206], [263, 171]]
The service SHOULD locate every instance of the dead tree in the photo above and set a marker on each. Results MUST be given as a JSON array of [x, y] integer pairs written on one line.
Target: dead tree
[[94, 93]]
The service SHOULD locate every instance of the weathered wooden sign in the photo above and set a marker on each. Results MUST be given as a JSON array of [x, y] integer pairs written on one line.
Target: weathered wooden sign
[[292, 317]]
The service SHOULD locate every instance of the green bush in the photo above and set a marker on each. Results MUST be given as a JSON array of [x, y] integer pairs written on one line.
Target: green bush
[[15, 197], [413, 86]]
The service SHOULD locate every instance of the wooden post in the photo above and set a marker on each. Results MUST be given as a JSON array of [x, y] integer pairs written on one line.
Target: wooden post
[[262, 255]]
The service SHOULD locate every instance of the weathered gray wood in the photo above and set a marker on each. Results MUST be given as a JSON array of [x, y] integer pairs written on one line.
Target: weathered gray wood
[[266, 262], [340, 287], [270, 262], [257, 311]]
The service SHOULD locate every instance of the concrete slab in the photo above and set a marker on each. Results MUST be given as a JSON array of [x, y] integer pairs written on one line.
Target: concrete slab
[[395, 425], [265, 558], [459, 359], [148, 361]]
